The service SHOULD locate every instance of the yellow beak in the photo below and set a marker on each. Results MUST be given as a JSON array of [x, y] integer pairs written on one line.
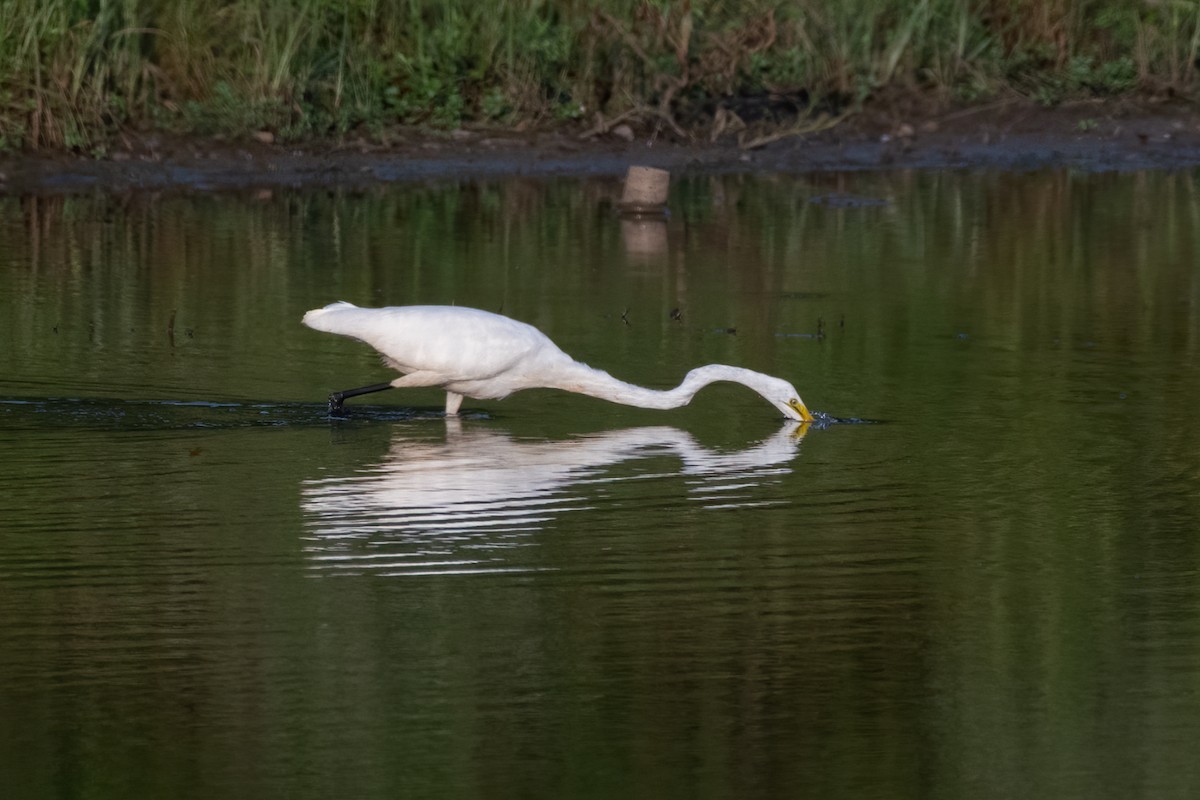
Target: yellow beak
[[801, 409]]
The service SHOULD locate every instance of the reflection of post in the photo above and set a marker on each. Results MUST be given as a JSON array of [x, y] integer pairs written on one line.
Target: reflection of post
[[644, 237]]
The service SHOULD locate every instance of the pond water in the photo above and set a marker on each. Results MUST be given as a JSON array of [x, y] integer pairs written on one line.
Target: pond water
[[208, 588]]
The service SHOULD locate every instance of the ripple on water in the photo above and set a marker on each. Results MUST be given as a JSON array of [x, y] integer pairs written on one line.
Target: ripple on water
[[59, 412]]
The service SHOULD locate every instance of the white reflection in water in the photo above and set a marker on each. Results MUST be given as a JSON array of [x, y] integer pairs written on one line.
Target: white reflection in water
[[459, 505]]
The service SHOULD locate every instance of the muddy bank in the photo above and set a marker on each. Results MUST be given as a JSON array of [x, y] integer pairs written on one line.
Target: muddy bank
[[1013, 137]]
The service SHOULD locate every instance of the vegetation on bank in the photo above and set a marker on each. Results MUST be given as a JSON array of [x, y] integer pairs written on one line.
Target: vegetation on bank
[[75, 73]]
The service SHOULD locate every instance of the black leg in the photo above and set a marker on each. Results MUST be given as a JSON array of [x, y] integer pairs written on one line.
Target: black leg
[[337, 398]]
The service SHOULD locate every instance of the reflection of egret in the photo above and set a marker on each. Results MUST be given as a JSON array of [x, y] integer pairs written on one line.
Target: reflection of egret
[[486, 356], [438, 505]]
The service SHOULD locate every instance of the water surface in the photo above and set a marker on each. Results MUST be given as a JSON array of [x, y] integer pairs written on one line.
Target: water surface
[[208, 588]]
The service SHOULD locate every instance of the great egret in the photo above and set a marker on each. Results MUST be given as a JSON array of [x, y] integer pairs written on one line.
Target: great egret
[[487, 356]]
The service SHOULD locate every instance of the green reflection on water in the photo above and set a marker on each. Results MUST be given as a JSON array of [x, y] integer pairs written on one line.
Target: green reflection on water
[[993, 593]]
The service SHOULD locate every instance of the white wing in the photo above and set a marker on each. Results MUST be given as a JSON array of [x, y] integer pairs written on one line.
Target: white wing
[[457, 344]]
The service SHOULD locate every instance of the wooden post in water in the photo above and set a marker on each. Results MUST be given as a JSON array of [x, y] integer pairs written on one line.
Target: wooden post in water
[[645, 191]]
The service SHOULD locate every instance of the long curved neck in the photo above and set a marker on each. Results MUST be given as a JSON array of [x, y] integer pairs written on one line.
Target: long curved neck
[[578, 377]]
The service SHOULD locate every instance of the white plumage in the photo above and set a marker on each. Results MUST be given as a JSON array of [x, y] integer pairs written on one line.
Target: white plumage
[[487, 356]]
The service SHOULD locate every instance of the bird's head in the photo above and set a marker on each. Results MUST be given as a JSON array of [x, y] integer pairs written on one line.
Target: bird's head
[[785, 397], [794, 408]]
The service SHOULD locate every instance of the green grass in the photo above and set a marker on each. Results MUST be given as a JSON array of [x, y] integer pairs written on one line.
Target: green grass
[[75, 73]]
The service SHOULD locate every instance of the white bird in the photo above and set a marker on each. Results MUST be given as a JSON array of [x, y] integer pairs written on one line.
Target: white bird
[[487, 356]]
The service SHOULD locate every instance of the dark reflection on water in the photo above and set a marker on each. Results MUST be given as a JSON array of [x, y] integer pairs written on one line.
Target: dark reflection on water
[[37, 413], [208, 588]]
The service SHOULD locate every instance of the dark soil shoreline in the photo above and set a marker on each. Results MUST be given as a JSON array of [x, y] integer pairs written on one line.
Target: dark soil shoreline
[[1091, 137]]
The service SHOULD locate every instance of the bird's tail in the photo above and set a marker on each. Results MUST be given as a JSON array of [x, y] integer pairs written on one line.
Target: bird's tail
[[324, 319]]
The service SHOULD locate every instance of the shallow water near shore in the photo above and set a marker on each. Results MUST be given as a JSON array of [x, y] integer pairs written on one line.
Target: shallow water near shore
[[210, 588]]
